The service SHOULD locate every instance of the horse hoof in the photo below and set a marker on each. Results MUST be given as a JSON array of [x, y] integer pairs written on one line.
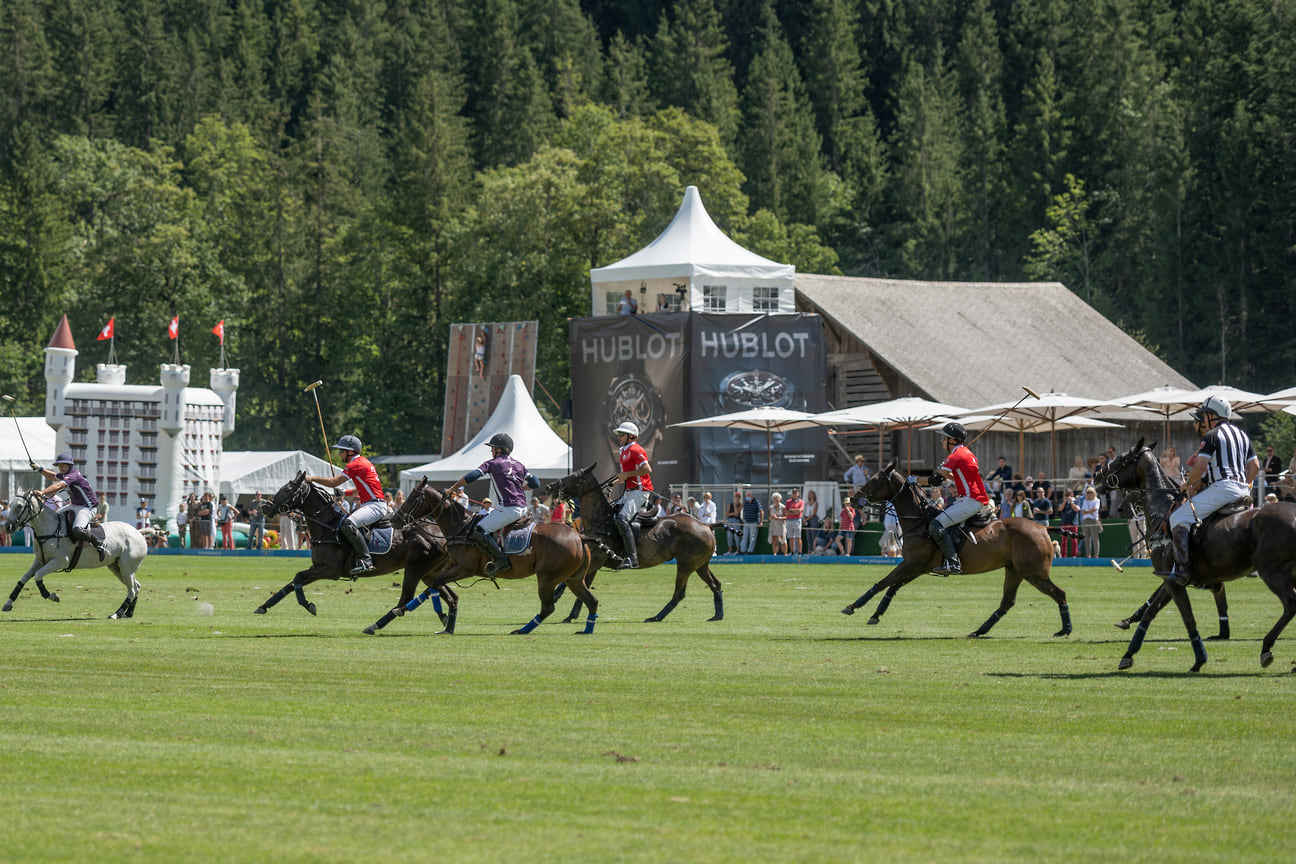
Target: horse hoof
[[1062, 633], [310, 607], [445, 633], [716, 618], [1125, 663], [1123, 625], [8, 607], [653, 620], [1217, 638], [874, 620], [260, 610], [371, 630], [976, 634], [1197, 666], [1265, 659], [849, 610], [569, 619], [53, 598], [517, 632]]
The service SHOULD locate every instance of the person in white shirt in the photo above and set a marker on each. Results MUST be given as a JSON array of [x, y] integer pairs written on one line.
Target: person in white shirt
[[707, 510], [539, 511]]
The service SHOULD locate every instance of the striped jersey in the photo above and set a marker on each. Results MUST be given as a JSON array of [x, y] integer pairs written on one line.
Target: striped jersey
[[1227, 450]]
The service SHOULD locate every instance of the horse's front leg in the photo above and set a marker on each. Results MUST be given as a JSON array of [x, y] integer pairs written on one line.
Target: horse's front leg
[[45, 592], [22, 580], [902, 574], [297, 587], [274, 598], [546, 589]]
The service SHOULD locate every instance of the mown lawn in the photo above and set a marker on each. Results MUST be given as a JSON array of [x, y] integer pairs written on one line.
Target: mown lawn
[[786, 732]]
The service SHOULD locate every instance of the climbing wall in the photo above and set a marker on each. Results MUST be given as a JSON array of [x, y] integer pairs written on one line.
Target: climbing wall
[[472, 393]]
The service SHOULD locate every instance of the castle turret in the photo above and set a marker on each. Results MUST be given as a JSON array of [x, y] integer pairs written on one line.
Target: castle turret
[[225, 384], [110, 373], [175, 378], [60, 369]]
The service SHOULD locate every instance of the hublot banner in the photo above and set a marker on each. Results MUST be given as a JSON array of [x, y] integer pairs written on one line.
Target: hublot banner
[[659, 369]]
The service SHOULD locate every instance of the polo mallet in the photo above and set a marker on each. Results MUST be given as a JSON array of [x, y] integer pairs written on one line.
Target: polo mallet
[[310, 388], [18, 426], [1030, 394]]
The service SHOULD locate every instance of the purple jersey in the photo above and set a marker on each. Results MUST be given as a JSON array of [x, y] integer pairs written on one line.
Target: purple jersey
[[79, 490], [510, 476]]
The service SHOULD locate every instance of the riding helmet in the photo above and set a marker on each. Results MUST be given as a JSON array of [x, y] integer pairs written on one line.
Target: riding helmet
[[501, 441], [1214, 405], [348, 442], [955, 431], [65, 459], [627, 428]]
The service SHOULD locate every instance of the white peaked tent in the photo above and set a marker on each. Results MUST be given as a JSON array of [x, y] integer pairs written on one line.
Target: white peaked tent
[[247, 472], [716, 273], [40, 441], [534, 444]]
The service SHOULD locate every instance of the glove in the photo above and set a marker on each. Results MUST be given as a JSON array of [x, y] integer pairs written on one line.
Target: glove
[[34, 467], [937, 479]]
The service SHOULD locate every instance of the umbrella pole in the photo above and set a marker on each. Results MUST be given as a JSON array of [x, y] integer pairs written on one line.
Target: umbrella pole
[[769, 464]]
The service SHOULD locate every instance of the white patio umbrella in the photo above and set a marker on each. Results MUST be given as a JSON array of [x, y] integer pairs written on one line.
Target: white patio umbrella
[[757, 419], [1023, 425], [1051, 408], [906, 412], [1172, 403]]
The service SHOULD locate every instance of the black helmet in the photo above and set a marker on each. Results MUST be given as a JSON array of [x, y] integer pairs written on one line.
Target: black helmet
[[502, 441], [955, 431]]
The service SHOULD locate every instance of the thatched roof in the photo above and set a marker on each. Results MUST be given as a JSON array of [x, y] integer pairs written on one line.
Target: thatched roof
[[977, 343]]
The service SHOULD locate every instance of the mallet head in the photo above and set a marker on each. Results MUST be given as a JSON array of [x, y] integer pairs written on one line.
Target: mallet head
[[312, 386], [6, 397], [1116, 564], [1030, 392]]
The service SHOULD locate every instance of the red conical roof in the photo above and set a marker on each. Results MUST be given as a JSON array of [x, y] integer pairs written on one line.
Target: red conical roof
[[62, 336]]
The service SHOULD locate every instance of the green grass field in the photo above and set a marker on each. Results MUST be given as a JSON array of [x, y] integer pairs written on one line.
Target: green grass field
[[787, 732]]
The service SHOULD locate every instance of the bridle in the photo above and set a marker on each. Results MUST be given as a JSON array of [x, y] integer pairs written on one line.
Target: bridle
[[919, 518]]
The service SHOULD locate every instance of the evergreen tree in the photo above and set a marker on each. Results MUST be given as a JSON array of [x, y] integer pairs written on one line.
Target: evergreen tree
[[625, 78], [689, 67], [980, 74]]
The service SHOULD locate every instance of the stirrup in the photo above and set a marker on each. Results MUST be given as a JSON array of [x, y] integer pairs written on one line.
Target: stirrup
[[498, 564], [631, 563], [950, 567], [364, 565]]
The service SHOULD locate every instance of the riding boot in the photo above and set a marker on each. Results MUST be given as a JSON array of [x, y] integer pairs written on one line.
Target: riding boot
[[940, 536], [1179, 538], [631, 559], [486, 543], [84, 536], [354, 536]]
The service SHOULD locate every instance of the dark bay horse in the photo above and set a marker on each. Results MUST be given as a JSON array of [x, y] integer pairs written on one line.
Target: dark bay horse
[[1224, 549], [690, 542], [556, 556], [1020, 546], [419, 549]]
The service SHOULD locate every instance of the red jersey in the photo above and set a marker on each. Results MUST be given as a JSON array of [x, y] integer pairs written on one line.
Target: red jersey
[[632, 456], [367, 485], [967, 476]]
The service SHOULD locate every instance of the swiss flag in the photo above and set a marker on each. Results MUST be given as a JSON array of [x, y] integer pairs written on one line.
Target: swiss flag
[[173, 329], [219, 330], [107, 331]]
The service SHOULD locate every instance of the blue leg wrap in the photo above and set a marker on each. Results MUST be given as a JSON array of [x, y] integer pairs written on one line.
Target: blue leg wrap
[[589, 623], [420, 599], [531, 625]]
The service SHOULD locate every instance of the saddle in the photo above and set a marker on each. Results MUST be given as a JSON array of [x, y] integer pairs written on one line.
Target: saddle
[[514, 538], [95, 528]]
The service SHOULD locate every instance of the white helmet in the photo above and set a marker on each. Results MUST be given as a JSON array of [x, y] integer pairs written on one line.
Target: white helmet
[[627, 428], [1214, 405]]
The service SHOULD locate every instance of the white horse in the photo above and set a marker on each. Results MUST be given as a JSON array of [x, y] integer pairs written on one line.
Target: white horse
[[126, 549]]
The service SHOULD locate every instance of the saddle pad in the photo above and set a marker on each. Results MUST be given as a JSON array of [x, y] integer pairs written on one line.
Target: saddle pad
[[518, 540], [380, 540]]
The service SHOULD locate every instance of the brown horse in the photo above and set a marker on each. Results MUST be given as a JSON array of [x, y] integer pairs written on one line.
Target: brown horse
[[688, 541], [1222, 549], [420, 549], [556, 556], [1020, 546]]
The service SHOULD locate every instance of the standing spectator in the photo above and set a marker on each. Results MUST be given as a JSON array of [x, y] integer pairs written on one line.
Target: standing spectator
[[181, 519], [707, 510], [256, 522], [225, 513], [539, 510], [558, 512], [143, 515], [810, 515], [627, 305], [858, 474], [1272, 467], [206, 522], [1069, 519], [4, 522], [777, 525], [846, 532], [1137, 526], [753, 514], [733, 522], [794, 508], [1170, 464], [1042, 507], [1090, 523], [287, 531], [1076, 476]]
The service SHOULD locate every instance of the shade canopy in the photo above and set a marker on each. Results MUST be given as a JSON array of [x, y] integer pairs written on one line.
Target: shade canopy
[[764, 418], [247, 472]]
